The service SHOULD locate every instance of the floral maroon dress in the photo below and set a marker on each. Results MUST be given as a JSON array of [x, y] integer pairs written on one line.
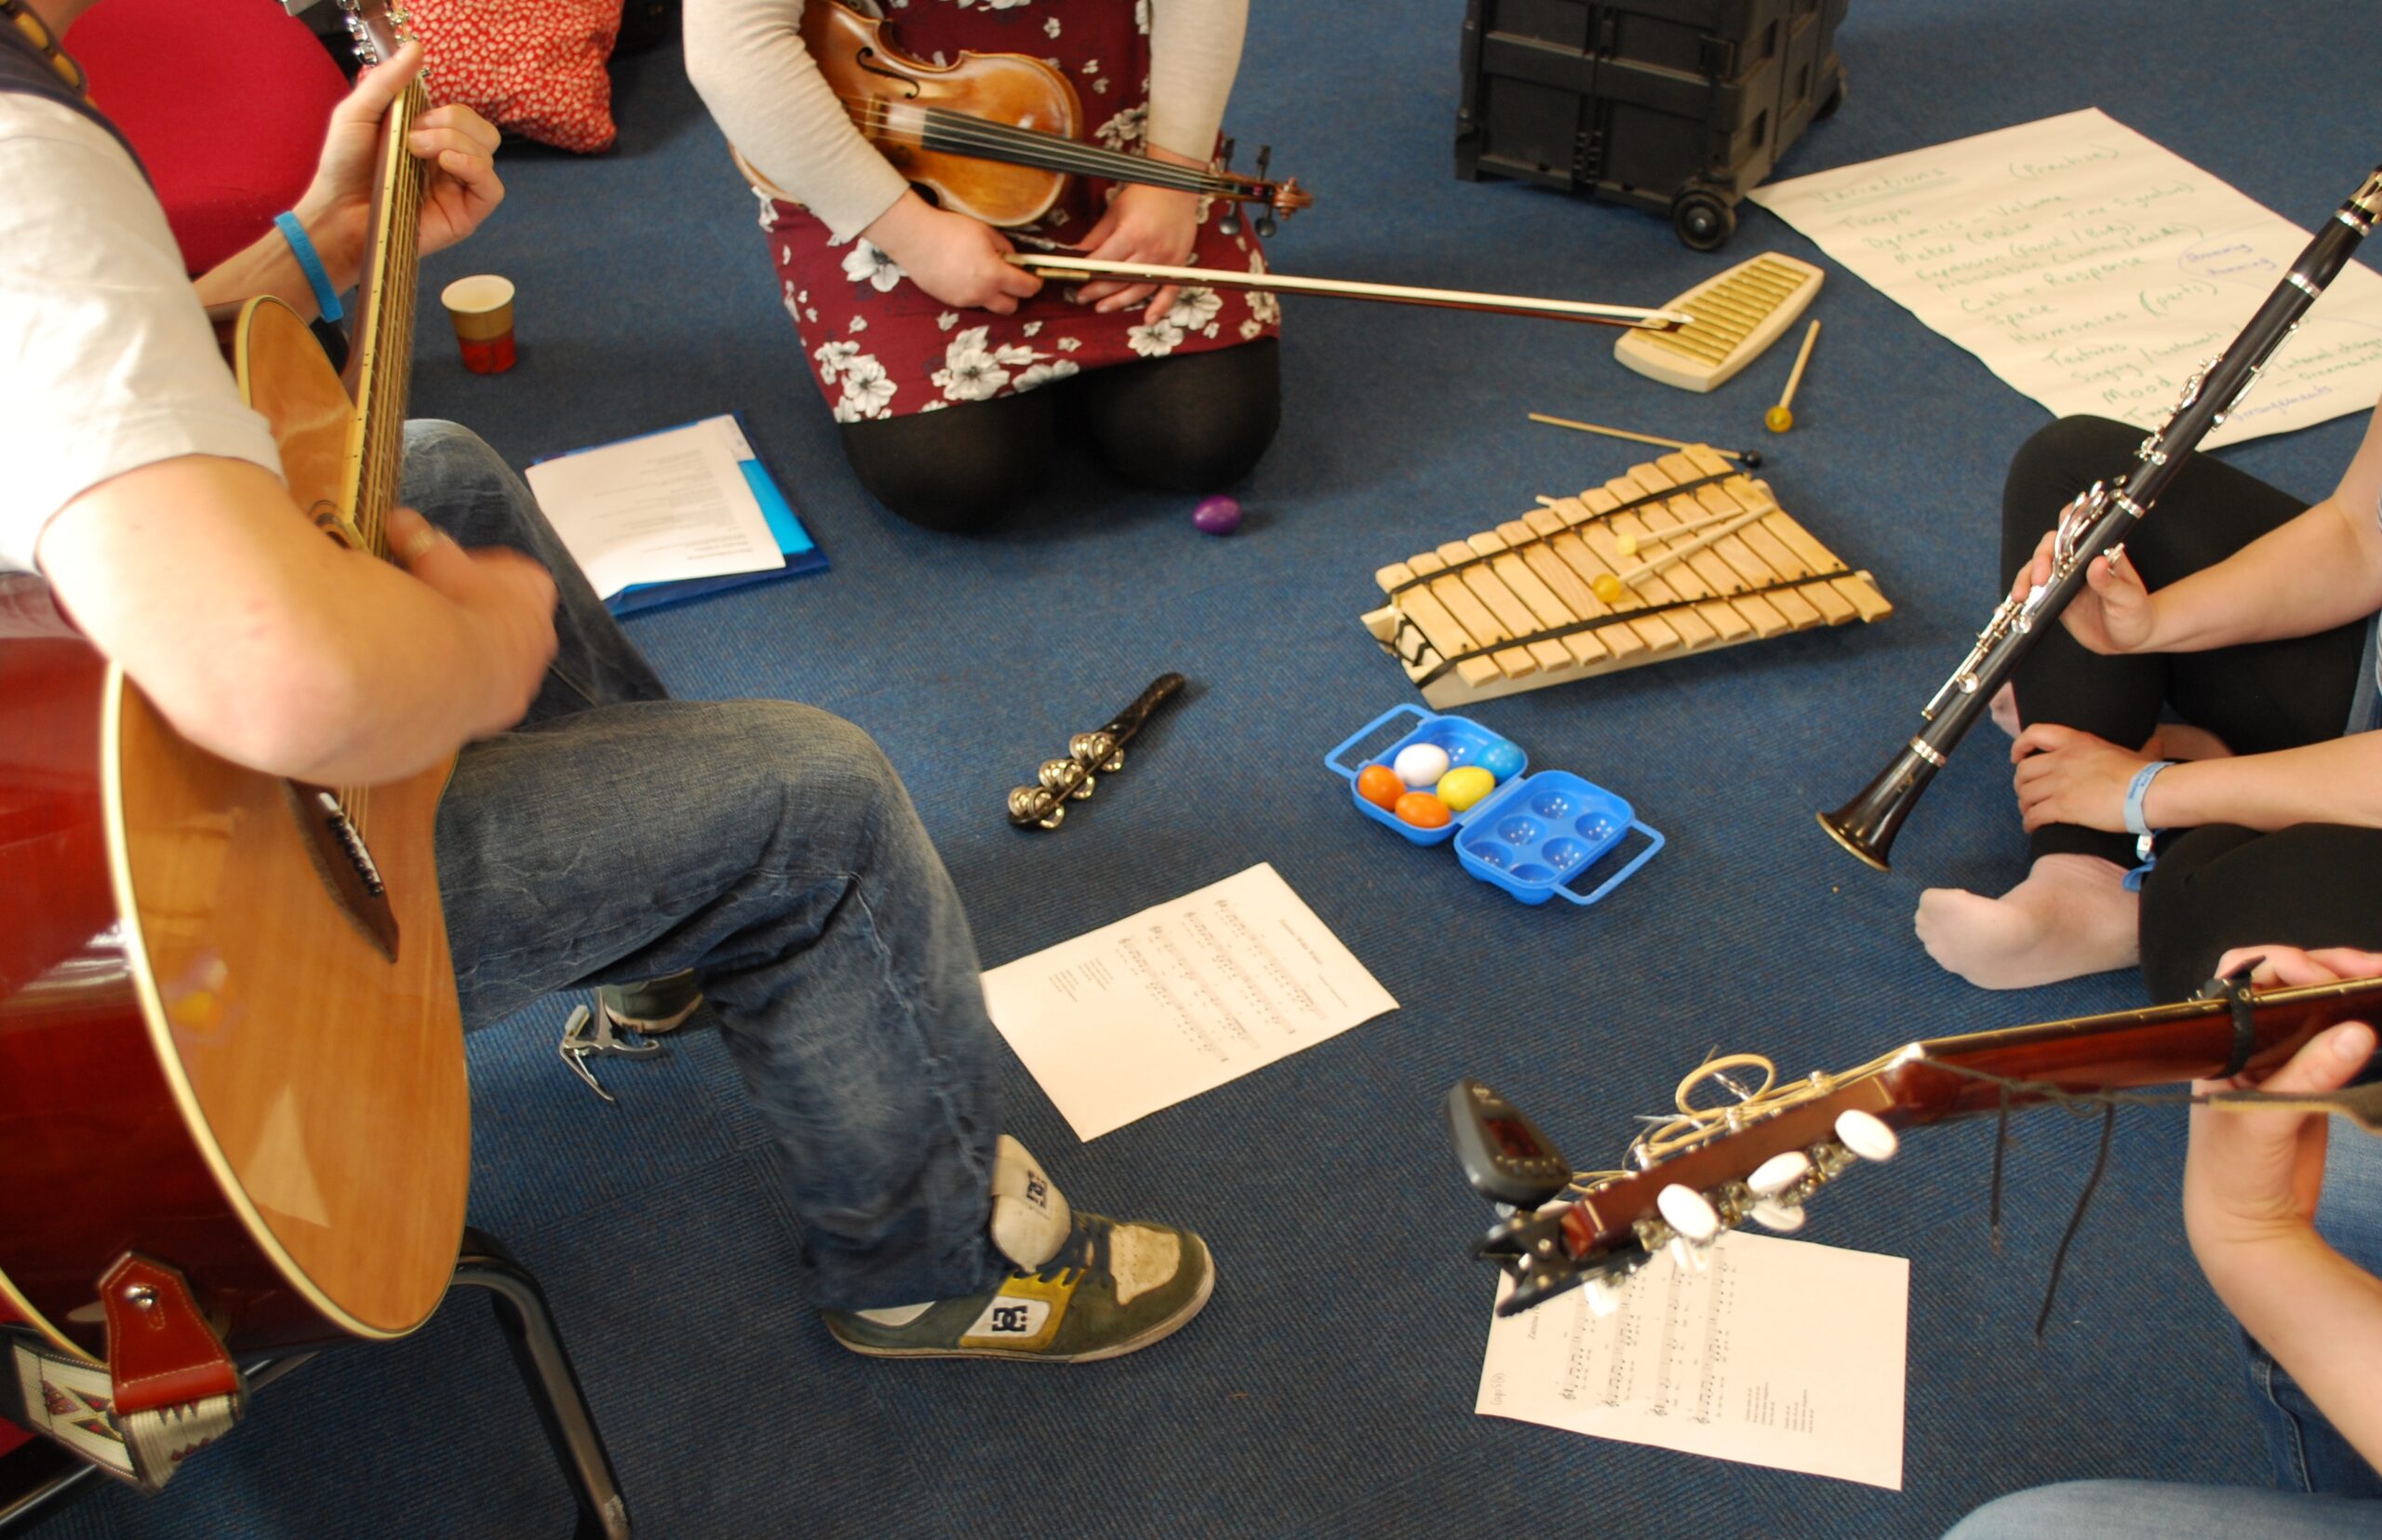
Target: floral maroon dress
[[881, 347]]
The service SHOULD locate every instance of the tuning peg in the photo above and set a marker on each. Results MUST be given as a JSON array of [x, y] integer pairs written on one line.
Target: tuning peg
[[1864, 1135], [1603, 1298], [1786, 1218], [1264, 226], [1778, 1174], [1688, 1212]]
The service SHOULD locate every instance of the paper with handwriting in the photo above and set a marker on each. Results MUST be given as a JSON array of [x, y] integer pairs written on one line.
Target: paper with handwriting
[[1780, 1353], [1178, 999], [2094, 270]]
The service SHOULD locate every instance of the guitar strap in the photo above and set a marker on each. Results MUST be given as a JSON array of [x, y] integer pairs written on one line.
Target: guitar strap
[[25, 71], [167, 1391]]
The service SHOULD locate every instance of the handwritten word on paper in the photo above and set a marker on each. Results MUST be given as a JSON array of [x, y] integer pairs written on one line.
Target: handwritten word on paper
[[1779, 1353], [1179, 999], [2093, 270]]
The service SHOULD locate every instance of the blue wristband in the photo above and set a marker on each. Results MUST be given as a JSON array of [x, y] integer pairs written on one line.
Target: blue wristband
[[311, 263], [2134, 823]]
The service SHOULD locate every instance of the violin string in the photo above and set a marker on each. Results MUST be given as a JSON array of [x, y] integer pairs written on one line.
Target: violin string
[[941, 129], [945, 127]]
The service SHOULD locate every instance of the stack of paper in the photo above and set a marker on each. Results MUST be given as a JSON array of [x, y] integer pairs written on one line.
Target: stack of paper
[[2094, 270], [672, 514]]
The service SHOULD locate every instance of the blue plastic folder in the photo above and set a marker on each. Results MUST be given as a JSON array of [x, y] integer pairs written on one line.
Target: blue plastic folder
[[802, 553]]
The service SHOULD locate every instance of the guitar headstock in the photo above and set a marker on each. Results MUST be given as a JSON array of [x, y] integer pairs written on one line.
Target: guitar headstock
[[1759, 1161], [376, 27]]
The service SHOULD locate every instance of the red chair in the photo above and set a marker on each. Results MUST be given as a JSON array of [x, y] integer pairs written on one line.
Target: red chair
[[228, 116]]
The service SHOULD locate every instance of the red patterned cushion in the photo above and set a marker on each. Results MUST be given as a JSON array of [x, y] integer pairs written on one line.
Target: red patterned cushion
[[536, 70]]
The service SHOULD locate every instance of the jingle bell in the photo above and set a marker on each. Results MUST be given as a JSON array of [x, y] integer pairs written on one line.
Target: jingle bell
[[1067, 777], [1096, 751]]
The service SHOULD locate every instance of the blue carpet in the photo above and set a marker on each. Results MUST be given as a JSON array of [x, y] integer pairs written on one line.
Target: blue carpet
[[1329, 1387]]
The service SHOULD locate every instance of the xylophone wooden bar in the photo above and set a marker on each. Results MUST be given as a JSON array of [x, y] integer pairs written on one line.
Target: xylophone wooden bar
[[1515, 607]]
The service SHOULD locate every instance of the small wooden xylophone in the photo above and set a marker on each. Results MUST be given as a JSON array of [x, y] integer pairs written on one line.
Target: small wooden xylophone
[[1515, 608]]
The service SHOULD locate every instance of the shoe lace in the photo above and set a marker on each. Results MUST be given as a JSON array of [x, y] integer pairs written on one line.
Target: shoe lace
[[1084, 1253]]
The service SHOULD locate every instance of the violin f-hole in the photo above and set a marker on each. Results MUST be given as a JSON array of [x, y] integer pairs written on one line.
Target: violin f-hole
[[866, 55]]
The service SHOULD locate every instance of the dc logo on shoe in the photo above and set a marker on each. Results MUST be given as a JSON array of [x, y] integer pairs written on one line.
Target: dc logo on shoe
[[1038, 1191], [1006, 1318]]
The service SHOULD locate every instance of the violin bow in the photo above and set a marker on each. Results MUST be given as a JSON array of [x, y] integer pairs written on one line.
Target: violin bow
[[1071, 269]]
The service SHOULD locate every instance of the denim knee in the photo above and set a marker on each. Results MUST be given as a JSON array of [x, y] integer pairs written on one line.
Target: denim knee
[[448, 454], [826, 773]]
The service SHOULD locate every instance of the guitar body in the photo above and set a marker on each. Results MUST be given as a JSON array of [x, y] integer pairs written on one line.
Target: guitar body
[[216, 1048]]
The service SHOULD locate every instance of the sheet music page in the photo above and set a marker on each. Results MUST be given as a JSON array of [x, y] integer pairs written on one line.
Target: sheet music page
[[1178, 999], [1780, 1353], [657, 509], [2094, 270]]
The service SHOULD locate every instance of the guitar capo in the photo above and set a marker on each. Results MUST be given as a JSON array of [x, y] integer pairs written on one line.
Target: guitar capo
[[1059, 781]]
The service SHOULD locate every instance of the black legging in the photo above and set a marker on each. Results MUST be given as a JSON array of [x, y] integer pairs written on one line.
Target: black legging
[[2217, 886], [1192, 423]]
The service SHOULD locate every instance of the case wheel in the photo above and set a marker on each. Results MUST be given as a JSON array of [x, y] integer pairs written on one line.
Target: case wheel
[[1830, 102], [1702, 218]]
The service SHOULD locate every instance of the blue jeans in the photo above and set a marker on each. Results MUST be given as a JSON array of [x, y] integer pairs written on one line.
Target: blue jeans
[[618, 834], [2322, 1488]]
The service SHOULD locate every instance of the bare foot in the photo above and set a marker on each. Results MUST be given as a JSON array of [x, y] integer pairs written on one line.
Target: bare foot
[[2003, 709], [2183, 741], [2071, 917]]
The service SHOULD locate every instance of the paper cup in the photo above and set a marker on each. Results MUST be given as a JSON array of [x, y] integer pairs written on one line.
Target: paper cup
[[481, 308]]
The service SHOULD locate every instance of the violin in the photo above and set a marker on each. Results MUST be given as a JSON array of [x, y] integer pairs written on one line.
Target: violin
[[995, 136]]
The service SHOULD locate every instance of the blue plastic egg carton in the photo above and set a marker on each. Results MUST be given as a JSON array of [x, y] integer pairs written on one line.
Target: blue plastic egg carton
[[1534, 836]]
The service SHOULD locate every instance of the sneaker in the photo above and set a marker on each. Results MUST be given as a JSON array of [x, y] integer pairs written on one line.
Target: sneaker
[[654, 1006], [1094, 1288]]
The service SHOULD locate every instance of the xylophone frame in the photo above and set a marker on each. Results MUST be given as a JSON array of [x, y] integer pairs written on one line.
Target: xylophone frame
[[1514, 608]]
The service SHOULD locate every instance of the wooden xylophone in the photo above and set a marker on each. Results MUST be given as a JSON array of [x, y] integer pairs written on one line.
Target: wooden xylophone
[[1515, 608]]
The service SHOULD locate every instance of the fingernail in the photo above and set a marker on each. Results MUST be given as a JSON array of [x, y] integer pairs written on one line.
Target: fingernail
[[2354, 1042]]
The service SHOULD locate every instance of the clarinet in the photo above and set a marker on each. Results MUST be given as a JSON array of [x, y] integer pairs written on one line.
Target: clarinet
[[2095, 525]]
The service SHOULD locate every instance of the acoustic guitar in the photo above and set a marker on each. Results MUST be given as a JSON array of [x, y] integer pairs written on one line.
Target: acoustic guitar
[[1759, 1150], [230, 1046]]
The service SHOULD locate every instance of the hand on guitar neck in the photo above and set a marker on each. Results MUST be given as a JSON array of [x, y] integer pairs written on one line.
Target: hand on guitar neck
[[460, 193], [2251, 1183]]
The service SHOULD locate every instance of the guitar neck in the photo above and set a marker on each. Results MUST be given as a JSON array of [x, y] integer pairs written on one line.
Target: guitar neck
[[381, 357], [2156, 1045]]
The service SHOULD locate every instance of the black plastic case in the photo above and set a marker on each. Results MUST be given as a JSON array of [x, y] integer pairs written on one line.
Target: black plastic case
[[1675, 105]]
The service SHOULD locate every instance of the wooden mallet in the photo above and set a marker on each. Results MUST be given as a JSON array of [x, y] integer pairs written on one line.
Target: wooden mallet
[[1750, 459], [1778, 419]]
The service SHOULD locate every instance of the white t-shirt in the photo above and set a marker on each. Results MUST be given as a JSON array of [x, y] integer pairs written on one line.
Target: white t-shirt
[[107, 363]]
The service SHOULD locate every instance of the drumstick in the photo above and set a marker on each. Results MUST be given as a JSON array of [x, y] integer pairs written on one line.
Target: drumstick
[[1750, 459], [1609, 585], [1778, 419]]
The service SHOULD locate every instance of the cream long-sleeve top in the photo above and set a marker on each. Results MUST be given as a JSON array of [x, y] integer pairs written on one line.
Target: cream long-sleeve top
[[748, 64]]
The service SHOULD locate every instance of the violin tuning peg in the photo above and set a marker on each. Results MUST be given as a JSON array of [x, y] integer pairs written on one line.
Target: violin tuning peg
[[1866, 1135], [1786, 1218], [1264, 159], [1264, 226], [1228, 222], [1223, 156]]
